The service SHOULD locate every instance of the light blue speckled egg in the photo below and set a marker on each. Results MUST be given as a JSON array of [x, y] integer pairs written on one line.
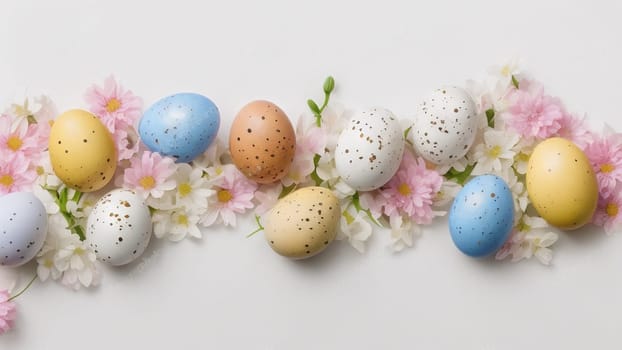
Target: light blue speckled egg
[[181, 126], [481, 216], [23, 227]]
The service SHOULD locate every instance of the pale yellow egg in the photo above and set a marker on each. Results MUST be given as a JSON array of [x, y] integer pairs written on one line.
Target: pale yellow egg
[[82, 151], [561, 184]]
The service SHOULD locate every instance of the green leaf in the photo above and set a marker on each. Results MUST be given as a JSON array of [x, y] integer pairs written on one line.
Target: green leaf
[[313, 107], [356, 201], [490, 117], [406, 132], [314, 176], [459, 176], [287, 190], [329, 85], [514, 81]]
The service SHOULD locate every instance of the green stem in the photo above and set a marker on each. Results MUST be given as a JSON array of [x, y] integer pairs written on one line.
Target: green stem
[[260, 228], [25, 288]]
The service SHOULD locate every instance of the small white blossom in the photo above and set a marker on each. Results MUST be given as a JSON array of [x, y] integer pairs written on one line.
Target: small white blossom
[[496, 153], [355, 229]]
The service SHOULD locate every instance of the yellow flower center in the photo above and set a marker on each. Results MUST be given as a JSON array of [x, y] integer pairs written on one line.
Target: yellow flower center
[[224, 196], [113, 105], [348, 216], [78, 251], [522, 157], [40, 170], [612, 209], [505, 70], [404, 190], [48, 263], [6, 180], [14, 143], [184, 189], [494, 152], [182, 220], [147, 182], [607, 168]]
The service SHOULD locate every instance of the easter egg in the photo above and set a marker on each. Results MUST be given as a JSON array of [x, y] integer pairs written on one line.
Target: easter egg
[[82, 151], [561, 184], [119, 227], [482, 216], [23, 227], [262, 142], [303, 223], [445, 126], [369, 150], [180, 126]]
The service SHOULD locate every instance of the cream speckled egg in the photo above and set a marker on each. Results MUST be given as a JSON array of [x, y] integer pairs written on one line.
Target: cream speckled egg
[[119, 227], [370, 149], [303, 223], [445, 125]]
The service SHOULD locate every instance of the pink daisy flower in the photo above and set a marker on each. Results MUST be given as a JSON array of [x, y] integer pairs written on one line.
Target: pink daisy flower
[[150, 175], [608, 214], [115, 106], [532, 113], [234, 194], [411, 190], [575, 130], [7, 312], [605, 154], [16, 174], [20, 138]]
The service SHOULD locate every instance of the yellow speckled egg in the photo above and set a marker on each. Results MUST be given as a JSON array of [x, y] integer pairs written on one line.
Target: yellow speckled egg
[[561, 184], [303, 223], [82, 151]]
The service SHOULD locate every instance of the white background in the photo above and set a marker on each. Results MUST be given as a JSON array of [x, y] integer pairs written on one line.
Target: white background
[[230, 292]]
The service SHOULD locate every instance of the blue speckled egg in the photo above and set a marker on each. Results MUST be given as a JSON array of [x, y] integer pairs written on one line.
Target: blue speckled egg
[[181, 126], [23, 227], [481, 216]]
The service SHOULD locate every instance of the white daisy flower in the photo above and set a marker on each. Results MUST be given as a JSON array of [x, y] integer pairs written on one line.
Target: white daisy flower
[[495, 153]]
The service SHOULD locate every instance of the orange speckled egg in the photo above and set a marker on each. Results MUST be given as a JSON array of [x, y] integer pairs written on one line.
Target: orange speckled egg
[[262, 142], [82, 151]]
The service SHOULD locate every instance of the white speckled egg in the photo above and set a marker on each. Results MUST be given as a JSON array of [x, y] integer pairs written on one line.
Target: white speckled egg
[[119, 227], [303, 223], [445, 125], [369, 149], [23, 227]]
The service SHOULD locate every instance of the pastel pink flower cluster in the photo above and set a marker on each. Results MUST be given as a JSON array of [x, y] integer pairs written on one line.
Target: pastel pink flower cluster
[[7, 312], [411, 191], [535, 115], [605, 154], [119, 110], [22, 143]]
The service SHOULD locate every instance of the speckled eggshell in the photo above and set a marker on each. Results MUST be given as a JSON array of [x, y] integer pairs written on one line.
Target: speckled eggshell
[[561, 184], [181, 126], [119, 227], [481, 216], [262, 142], [82, 151], [370, 149], [445, 125], [303, 223], [23, 227]]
